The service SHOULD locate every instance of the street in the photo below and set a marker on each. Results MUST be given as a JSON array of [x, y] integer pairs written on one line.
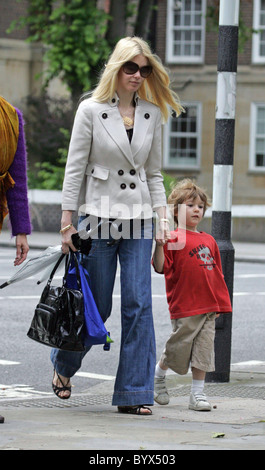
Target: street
[[25, 367]]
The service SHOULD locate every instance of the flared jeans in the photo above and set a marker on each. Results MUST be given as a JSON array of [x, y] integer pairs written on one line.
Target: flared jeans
[[134, 384]]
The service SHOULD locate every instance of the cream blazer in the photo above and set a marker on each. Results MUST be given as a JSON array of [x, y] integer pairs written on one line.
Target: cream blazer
[[105, 174]]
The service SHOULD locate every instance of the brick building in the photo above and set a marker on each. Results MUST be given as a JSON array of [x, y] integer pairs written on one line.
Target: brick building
[[189, 50]]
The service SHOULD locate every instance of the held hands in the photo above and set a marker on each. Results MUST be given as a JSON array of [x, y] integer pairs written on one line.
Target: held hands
[[163, 234]]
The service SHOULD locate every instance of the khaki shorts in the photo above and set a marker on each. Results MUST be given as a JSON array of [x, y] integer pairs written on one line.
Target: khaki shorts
[[191, 344]]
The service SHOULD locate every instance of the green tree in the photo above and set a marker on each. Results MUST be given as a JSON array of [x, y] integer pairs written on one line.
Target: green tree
[[73, 34], [78, 38], [138, 13]]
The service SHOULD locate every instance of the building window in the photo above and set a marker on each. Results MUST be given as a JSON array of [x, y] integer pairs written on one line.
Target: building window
[[186, 31], [257, 138], [182, 139], [258, 43]]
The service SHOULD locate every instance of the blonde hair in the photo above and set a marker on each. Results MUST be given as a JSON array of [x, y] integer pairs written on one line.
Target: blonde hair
[[155, 88], [184, 190]]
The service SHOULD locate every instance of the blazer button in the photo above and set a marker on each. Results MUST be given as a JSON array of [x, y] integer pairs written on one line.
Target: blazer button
[[132, 186], [104, 115], [120, 172], [132, 172], [113, 100], [123, 186], [147, 115]]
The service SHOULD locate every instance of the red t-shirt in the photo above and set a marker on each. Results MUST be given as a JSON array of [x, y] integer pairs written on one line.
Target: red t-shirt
[[193, 274]]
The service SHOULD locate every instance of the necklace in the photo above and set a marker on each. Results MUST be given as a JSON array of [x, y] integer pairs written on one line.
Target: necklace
[[127, 114], [128, 121]]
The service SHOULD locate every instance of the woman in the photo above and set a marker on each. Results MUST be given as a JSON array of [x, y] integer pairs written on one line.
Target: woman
[[13, 179], [113, 173]]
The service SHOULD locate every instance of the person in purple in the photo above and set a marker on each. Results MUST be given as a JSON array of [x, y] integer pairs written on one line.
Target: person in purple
[[13, 179]]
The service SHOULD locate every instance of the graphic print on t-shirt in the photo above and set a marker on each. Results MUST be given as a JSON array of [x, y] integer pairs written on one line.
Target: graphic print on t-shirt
[[203, 254]]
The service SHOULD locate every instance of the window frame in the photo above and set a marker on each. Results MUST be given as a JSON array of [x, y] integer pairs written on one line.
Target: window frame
[[253, 137], [167, 165], [183, 59], [256, 57]]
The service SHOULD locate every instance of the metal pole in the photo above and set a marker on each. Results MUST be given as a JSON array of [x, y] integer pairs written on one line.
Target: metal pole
[[223, 174]]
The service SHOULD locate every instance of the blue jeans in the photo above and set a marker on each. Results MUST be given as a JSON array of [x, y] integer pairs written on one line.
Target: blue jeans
[[135, 375]]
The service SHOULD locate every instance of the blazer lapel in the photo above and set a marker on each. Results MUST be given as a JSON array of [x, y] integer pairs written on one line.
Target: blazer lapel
[[112, 122], [141, 124]]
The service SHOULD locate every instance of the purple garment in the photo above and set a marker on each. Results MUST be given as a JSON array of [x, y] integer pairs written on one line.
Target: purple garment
[[17, 197]]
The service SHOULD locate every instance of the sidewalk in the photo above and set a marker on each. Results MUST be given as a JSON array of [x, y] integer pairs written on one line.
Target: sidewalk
[[253, 252], [88, 421]]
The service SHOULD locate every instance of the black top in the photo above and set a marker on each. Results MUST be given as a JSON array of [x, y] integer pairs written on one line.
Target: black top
[[129, 134]]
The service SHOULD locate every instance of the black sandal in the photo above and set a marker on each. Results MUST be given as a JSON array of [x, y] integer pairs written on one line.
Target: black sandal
[[135, 410], [64, 388]]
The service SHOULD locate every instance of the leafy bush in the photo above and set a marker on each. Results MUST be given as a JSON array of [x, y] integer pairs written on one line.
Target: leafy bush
[[48, 128], [169, 182]]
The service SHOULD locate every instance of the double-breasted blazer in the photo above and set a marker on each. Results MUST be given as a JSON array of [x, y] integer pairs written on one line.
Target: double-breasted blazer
[[105, 174]]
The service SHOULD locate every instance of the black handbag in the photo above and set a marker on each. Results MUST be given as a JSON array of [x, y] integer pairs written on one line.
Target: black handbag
[[59, 316]]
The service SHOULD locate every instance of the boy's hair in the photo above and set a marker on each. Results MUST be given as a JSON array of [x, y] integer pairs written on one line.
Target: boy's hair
[[184, 190]]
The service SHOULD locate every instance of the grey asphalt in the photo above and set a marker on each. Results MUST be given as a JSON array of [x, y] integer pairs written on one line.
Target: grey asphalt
[[88, 421]]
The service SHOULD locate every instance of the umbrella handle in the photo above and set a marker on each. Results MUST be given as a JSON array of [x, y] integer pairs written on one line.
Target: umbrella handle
[[4, 285]]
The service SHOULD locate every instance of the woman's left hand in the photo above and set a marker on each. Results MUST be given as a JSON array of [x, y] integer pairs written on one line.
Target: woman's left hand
[[22, 249]]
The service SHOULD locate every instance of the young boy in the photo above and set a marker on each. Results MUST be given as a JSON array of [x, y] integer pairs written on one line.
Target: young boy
[[196, 293]]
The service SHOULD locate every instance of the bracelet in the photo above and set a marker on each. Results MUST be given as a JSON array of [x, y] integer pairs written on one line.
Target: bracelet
[[66, 228], [163, 220]]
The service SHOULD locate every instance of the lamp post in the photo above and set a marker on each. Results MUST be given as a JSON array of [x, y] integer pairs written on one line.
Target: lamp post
[[223, 174]]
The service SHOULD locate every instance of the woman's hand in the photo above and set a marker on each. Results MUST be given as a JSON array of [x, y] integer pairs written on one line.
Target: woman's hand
[[67, 230], [67, 240], [22, 248]]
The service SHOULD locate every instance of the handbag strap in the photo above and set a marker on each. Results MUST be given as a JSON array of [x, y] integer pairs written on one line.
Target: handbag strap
[[55, 268], [72, 256], [68, 259]]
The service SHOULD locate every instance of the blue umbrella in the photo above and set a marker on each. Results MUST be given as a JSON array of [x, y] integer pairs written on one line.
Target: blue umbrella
[[95, 331]]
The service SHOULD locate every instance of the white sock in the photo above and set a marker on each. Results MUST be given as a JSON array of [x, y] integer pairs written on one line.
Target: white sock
[[159, 372], [197, 386]]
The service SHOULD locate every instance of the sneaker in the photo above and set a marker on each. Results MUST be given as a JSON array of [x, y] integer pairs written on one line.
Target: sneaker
[[199, 402], [161, 395]]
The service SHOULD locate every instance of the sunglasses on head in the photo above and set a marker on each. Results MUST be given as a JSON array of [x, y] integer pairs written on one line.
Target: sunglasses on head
[[130, 68]]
